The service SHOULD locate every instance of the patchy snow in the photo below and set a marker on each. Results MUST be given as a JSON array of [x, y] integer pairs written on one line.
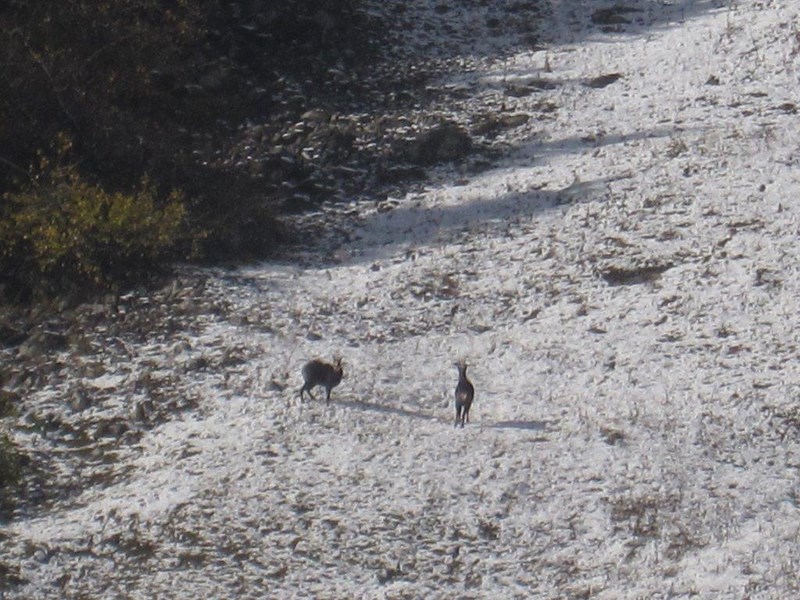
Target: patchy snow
[[623, 283]]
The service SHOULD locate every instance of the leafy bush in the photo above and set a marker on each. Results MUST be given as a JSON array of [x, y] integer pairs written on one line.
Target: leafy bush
[[146, 87], [63, 233]]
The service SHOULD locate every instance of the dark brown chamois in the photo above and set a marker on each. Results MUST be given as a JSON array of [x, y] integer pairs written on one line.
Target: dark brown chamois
[[465, 392], [317, 372]]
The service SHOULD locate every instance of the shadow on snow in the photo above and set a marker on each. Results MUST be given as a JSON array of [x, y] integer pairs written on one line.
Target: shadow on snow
[[514, 424], [382, 408]]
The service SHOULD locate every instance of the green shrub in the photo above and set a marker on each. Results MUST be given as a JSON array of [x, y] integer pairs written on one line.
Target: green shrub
[[162, 88], [62, 233]]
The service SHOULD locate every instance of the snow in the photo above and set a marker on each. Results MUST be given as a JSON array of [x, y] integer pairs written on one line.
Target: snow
[[629, 438]]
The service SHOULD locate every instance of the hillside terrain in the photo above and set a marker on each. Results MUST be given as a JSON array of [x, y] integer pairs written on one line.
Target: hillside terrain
[[614, 255]]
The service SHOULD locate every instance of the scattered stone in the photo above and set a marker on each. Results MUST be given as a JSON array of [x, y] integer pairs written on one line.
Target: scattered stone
[[531, 86], [277, 386], [488, 530], [614, 15], [767, 277], [514, 120], [43, 341], [200, 363], [317, 115], [143, 411], [634, 274], [279, 572], [399, 173], [492, 124], [389, 574], [11, 335], [80, 400], [612, 436], [10, 575], [603, 80], [442, 143], [9, 401], [114, 428], [297, 203]]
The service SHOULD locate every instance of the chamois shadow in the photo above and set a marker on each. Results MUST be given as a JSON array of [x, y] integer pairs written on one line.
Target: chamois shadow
[[525, 425], [514, 424], [382, 408]]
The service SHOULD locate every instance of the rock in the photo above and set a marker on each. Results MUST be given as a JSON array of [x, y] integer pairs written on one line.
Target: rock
[[11, 335], [613, 16], [602, 80], [143, 410], [634, 274], [9, 401], [491, 124], [297, 203], [113, 428], [43, 341], [389, 574], [399, 173], [531, 86], [199, 363], [612, 436], [317, 115], [80, 400], [442, 143], [514, 120]]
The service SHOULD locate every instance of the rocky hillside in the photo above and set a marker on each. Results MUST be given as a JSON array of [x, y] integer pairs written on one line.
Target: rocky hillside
[[593, 207]]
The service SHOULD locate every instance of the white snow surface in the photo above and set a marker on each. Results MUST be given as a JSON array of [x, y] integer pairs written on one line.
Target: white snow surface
[[635, 432]]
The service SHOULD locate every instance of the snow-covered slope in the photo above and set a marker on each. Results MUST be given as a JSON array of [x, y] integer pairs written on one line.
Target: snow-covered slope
[[623, 283]]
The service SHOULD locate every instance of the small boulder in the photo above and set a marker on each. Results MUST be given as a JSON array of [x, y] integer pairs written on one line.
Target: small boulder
[[442, 143], [43, 341], [602, 80], [11, 334]]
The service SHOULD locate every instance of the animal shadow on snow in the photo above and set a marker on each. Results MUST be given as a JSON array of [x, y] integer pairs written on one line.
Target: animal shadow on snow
[[533, 426], [542, 427], [383, 408]]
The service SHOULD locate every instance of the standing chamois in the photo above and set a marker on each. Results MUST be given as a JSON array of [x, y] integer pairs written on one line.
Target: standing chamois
[[317, 372], [465, 392]]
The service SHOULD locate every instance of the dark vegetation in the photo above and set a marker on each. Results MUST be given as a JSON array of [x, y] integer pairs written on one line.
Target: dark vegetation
[[117, 121], [124, 131], [135, 134]]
